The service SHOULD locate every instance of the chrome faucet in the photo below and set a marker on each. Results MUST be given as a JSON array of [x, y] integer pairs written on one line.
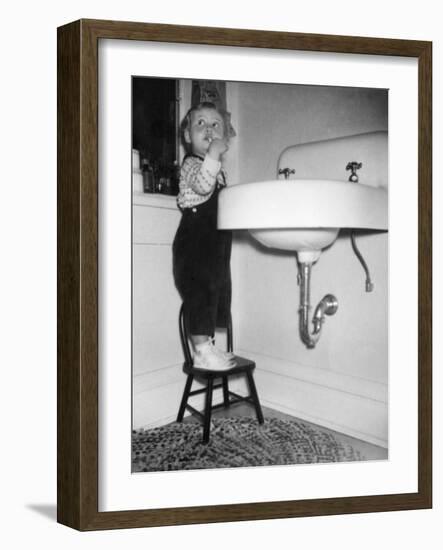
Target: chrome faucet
[[286, 172], [353, 167]]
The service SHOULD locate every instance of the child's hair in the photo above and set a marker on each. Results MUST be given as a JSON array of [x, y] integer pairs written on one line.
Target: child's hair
[[226, 116]]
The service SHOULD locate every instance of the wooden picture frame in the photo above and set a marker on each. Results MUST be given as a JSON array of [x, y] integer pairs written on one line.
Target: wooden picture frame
[[78, 465]]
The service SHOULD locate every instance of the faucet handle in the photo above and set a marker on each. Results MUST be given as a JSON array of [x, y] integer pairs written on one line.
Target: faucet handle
[[353, 166], [286, 172]]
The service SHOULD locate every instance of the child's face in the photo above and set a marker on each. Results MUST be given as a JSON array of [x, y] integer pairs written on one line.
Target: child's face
[[206, 125]]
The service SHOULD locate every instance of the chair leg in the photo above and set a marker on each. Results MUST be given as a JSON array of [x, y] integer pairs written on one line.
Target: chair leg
[[208, 410], [185, 398], [225, 391], [254, 396]]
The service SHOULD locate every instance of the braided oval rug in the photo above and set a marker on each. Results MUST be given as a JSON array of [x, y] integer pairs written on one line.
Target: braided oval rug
[[235, 442]]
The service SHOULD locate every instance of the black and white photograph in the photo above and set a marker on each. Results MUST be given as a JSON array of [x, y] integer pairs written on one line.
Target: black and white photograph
[[260, 274]]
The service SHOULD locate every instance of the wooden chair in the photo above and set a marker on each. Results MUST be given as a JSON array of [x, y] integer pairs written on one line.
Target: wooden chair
[[244, 367]]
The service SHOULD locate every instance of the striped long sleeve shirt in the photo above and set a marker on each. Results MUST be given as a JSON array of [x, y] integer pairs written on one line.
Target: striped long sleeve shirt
[[198, 179]]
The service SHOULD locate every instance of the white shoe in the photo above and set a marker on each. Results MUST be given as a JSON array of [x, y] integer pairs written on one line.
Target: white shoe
[[207, 356], [228, 355]]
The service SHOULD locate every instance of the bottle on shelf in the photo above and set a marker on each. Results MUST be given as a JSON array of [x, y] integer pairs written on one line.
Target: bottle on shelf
[[148, 177]]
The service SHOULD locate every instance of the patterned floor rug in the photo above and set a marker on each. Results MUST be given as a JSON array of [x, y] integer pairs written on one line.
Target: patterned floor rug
[[235, 442]]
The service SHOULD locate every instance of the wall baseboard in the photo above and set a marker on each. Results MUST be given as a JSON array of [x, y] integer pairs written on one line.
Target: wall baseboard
[[324, 423], [343, 403]]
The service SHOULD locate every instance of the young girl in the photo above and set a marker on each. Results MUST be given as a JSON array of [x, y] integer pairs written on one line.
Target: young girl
[[201, 253]]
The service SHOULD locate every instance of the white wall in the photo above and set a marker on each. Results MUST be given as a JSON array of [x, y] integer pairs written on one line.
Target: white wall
[[272, 117]]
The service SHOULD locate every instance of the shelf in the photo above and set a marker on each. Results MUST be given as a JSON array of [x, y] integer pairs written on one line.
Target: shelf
[[154, 200]]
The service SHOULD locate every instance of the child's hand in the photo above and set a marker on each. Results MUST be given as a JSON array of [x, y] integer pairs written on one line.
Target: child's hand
[[217, 148]]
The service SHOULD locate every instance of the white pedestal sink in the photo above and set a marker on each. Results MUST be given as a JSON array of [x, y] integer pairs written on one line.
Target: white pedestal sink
[[305, 215]]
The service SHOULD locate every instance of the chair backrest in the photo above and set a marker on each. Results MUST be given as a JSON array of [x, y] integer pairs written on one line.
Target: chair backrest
[[184, 336]]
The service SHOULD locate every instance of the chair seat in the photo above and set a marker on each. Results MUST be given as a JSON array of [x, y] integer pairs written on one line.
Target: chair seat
[[242, 365]]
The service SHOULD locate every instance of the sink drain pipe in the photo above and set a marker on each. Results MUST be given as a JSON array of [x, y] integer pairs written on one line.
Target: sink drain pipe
[[328, 305]]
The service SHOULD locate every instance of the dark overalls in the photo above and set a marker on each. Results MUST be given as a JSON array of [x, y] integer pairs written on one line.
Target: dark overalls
[[202, 274]]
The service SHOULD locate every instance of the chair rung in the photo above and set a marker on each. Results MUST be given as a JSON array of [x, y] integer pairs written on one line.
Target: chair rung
[[203, 390], [240, 399], [195, 411], [196, 392], [236, 399], [218, 406], [236, 394]]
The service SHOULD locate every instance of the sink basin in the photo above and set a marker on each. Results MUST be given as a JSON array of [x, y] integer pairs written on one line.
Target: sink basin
[[307, 242], [303, 215]]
